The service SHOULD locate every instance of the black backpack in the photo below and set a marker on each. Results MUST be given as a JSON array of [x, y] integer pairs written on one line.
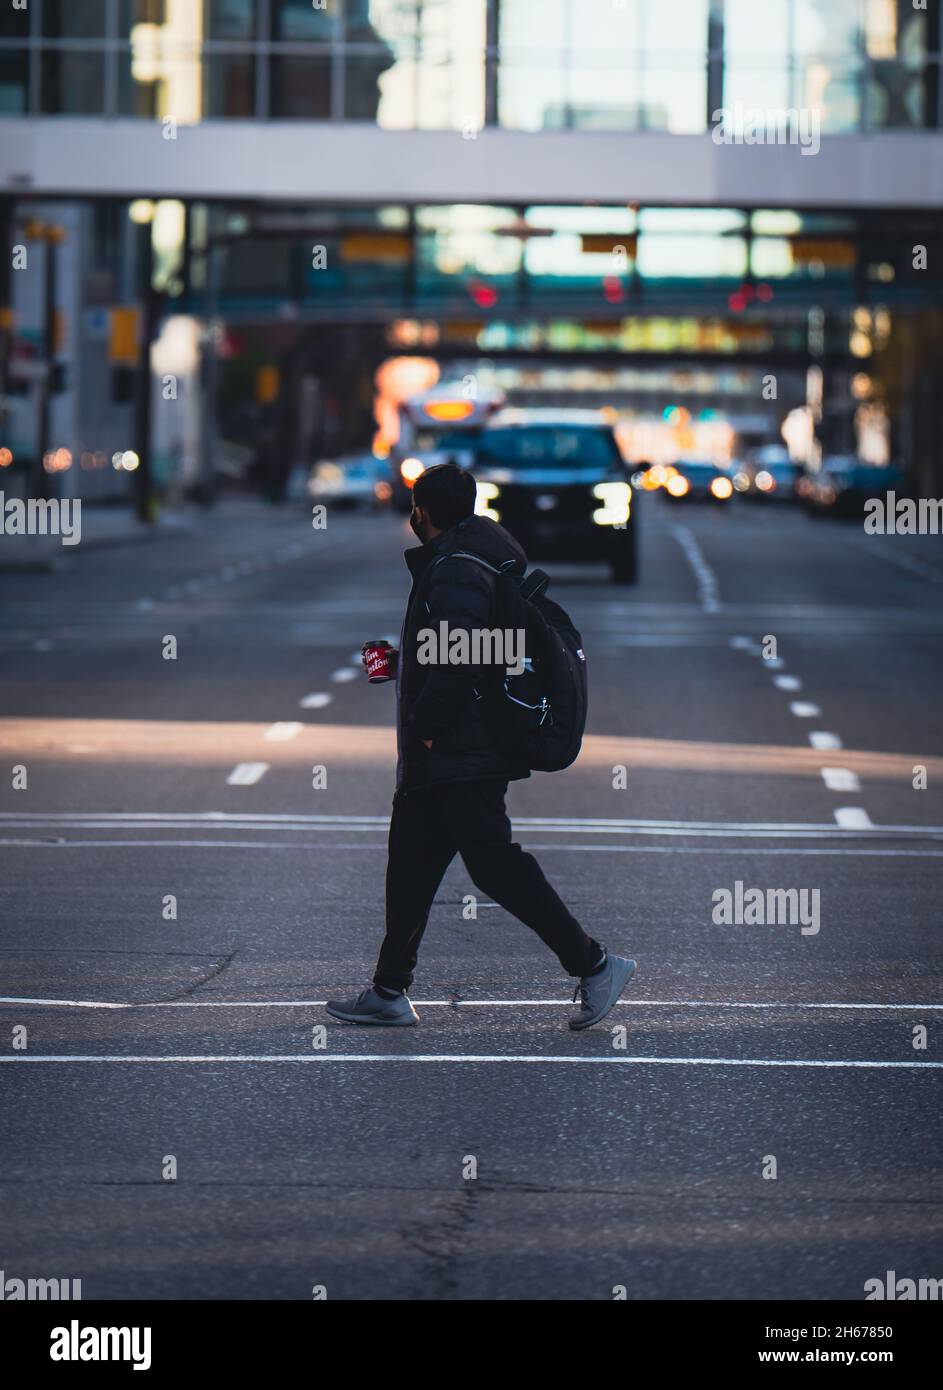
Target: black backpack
[[537, 717]]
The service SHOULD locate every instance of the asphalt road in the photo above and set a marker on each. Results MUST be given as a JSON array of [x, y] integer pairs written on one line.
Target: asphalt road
[[632, 1155]]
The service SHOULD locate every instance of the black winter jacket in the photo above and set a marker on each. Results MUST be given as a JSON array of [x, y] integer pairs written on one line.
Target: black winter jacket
[[444, 702]]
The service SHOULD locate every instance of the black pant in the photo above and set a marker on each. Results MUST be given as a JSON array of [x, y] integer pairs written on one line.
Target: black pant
[[427, 829]]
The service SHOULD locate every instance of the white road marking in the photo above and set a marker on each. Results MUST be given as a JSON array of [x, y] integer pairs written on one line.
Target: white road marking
[[803, 710], [247, 774], [452, 1004], [904, 562], [317, 700], [344, 674], [706, 579], [839, 779], [248, 820], [773, 663], [282, 732], [819, 738], [742, 643], [308, 847], [787, 682], [853, 818], [538, 1060]]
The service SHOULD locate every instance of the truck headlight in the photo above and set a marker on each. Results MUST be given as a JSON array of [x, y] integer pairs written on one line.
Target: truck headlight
[[485, 494], [616, 499]]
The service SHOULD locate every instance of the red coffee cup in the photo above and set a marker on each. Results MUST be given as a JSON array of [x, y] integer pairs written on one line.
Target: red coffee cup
[[376, 657]]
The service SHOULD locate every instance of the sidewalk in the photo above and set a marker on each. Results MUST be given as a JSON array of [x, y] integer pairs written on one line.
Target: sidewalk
[[113, 526], [100, 526]]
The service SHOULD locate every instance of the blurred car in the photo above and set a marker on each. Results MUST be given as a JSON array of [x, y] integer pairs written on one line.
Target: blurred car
[[773, 475], [844, 483], [557, 481], [698, 480], [351, 481]]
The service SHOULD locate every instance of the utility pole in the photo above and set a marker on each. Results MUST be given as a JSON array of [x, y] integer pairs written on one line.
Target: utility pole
[[150, 313], [6, 292], [50, 235]]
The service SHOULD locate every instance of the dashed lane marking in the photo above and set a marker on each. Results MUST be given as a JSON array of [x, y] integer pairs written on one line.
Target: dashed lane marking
[[247, 774], [840, 779], [282, 732]]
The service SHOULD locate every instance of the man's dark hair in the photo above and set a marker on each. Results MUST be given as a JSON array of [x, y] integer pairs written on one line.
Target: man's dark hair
[[447, 493]]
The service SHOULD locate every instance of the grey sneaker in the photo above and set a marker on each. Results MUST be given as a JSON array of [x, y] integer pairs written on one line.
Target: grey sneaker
[[370, 1007], [597, 993]]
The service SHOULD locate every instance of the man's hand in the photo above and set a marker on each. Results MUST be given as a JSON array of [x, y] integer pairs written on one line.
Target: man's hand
[[427, 742]]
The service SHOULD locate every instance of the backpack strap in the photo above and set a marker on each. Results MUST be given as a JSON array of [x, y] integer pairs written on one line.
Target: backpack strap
[[467, 555], [534, 584], [531, 586]]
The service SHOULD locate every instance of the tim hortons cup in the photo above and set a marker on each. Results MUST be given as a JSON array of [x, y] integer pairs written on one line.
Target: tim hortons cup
[[376, 657]]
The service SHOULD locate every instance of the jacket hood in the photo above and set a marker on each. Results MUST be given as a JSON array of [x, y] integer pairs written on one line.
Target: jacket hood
[[477, 534]]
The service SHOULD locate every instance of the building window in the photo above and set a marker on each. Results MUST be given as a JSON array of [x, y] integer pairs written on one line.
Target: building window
[[415, 63], [74, 19], [592, 65], [229, 19], [73, 83], [14, 82], [365, 87], [134, 12], [301, 86], [228, 85], [14, 24], [300, 21]]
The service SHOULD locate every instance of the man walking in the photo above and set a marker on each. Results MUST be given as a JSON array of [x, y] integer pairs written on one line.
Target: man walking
[[452, 777]]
